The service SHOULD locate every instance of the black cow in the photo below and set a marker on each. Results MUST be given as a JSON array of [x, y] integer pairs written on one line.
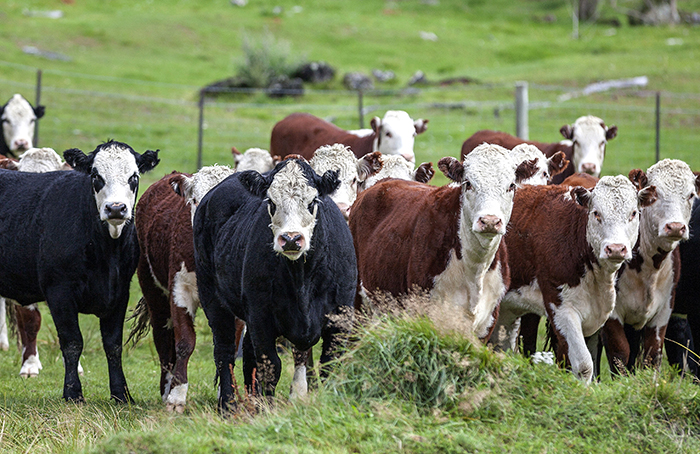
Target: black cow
[[275, 251], [67, 238]]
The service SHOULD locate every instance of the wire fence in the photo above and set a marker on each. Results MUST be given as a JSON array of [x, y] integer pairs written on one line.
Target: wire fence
[[84, 110]]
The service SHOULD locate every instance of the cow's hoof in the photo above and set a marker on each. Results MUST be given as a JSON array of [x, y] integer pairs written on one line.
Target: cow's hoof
[[30, 367], [175, 408]]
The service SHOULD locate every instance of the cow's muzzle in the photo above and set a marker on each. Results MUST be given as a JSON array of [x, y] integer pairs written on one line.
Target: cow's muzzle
[[675, 230], [291, 242], [489, 224], [616, 252], [589, 168], [117, 211]]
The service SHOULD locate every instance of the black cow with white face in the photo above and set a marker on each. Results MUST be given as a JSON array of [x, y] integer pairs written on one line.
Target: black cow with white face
[[18, 123], [67, 238], [274, 250]]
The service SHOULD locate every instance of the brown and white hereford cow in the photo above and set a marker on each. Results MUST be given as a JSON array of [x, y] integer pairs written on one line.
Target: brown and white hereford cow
[[565, 246], [646, 285], [584, 145], [394, 166], [444, 239], [253, 159], [303, 133], [352, 171], [166, 271]]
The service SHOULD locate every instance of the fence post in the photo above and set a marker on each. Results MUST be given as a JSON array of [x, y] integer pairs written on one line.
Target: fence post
[[361, 108], [38, 100], [201, 129], [658, 125], [521, 110]]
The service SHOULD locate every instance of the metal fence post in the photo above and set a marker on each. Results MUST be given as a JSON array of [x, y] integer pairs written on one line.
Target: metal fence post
[[521, 110], [38, 100], [201, 129], [658, 125]]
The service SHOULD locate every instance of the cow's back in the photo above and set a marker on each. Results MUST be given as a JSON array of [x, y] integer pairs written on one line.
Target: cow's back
[[404, 211], [302, 133]]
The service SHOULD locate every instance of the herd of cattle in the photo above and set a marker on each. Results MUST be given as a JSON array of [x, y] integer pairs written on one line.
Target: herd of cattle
[[292, 246]]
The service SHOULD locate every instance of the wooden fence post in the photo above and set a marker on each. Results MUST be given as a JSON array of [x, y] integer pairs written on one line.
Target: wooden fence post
[[38, 100], [521, 110], [201, 129]]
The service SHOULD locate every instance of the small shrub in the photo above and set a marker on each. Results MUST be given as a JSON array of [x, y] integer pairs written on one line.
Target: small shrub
[[264, 60]]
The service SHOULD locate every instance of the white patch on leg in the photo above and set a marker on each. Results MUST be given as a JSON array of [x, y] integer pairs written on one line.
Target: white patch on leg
[[185, 293], [80, 369], [168, 384], [31, 366], [299, 386], [177, 398], [4, 341]]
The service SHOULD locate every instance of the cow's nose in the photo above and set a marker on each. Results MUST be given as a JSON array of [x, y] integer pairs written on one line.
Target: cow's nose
[[675, 229], [489, 224], [115, 210], [410, 157], [589, 168], [21, 144], [291, 241], [616, 251]]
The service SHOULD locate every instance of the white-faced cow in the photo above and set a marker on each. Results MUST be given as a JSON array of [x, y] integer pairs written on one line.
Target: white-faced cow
[[166, 272], [68, 239], [443, 239], [394, 166], [645, 286], [18, 121], [275, 251], [253, 159], [547, 168], [584, 146], [352, 171], [565, 247], [302, 133]]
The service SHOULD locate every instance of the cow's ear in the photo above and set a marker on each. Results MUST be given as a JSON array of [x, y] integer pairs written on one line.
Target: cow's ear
[[147, 161], [424, 173], [567, 131], [581, 195], [647, 196], [369, 164], [39, 111], [697, 182], [452, 168], [421, 125], [328, 183], [557, 163], [525, 170], [638, 178], [182, 185], [375, 123], [254, 182], [611, 132], [79, 160]]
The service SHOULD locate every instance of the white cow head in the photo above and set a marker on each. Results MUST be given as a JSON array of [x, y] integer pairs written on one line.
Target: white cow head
[[588, 135], [293, 192], [18, 121], [253, 159], [546, 167], [613, 216], [396, 133], [115, 169], [665, 223], [351, 171], [488, 177], [395, 166], [194, 188], [39, 160]]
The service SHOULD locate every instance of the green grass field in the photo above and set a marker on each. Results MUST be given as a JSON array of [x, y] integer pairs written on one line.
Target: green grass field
[[133, 73]]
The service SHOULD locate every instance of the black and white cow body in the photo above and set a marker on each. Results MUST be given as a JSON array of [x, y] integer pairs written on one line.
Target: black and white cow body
[[18, 123], [59, 247], [275, 251]]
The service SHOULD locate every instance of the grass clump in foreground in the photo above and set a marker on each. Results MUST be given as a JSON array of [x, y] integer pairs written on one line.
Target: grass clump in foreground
[[408, 384]]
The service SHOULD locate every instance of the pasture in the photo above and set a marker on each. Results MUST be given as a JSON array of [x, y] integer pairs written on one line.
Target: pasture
[[132, 71]]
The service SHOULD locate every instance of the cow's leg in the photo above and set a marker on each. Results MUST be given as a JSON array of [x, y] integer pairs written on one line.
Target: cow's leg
[[299, 386], [572, 347], [65, 316], [28, 324], [679, 345], [334, 334], [185, 339], [529, 329], [616, 345], [111, 329], [252, 386], [653, 344], [267, 361], [506, 329], [595, 347], [224, 357], [4, 341]]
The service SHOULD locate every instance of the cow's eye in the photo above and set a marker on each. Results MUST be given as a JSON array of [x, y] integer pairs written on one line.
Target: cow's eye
[[511, 187], [633, 215], [134, 182], [467, 184], [271, 207], [313, 205], [5, 120], [97, 182], [690, 197], [388, 134], [597, 217]]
